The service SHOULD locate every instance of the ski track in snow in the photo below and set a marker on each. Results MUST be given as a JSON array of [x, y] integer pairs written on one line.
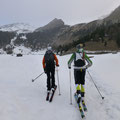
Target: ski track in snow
[[20, 99]]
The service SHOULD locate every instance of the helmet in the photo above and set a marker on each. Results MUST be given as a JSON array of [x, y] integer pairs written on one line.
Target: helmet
[[49, 48], [79, 46]]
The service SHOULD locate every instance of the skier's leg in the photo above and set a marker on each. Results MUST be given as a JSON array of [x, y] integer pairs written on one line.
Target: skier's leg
[[77, 83], [82, 90], [48, 81], [53, 77], [77, 88], [83, 84], [78, 92]]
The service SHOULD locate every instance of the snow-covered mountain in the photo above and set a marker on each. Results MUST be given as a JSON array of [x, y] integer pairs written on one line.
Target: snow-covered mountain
[[17, 27]]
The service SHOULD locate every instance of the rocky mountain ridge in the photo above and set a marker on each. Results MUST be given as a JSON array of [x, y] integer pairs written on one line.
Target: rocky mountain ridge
[[55, 23]]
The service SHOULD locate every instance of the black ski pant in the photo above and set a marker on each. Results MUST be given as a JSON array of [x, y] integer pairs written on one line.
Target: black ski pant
[[79, 76], [50, 78]]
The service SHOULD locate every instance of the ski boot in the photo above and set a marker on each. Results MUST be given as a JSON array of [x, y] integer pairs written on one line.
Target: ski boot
[[79, 98], [48, 93], [78, 95]]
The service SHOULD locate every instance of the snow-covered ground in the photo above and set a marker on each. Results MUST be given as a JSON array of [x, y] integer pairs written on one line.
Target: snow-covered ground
[[22, 99]]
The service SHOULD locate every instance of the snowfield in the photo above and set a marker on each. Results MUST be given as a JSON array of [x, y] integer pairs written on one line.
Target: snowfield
[[22, 99]]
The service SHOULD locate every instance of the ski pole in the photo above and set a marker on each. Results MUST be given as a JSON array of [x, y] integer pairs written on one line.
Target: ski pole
[[95, 85], [70, 87], [58, 82], [37, 77]]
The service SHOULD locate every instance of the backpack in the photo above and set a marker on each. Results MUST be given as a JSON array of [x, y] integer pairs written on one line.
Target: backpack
[[49, 57], [79, 60]]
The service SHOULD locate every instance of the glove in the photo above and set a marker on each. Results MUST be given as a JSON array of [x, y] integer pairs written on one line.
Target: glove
[[84, 67], [45, 70], [57, 65], [69, 67]]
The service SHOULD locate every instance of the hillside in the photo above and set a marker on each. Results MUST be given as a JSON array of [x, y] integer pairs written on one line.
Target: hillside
[[78, 31], [102, 38], [96, 35], [114, 17]]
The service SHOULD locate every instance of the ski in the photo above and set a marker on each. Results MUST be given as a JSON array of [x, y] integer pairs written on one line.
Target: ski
[[48, 94], [79, 106], [52, 95], [81, 111], [84, 105]]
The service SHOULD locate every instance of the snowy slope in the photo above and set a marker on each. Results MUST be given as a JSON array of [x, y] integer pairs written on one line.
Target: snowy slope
[[20, 99]]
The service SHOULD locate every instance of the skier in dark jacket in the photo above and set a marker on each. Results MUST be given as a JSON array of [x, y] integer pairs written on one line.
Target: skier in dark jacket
[[79, 58], [49, 62]]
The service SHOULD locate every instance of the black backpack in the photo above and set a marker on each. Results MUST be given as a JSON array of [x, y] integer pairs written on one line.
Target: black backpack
[[79, 62], [49, 57]]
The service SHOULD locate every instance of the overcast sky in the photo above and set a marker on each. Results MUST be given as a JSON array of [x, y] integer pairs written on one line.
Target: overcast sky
[[40, 12]]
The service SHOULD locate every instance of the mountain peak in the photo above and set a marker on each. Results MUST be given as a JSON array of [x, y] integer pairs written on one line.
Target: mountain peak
[[55, 20], [51, 25]]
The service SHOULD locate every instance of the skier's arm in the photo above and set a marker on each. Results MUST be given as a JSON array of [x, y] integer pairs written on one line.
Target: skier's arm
[[88, 61], [71, 60], [43, 62], [55, 57]]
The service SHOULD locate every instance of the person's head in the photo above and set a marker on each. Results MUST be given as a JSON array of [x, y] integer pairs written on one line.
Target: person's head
[[79, 47], [49, 48]]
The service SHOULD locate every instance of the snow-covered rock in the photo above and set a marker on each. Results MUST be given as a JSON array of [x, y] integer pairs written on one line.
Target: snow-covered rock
[[17, 27]]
